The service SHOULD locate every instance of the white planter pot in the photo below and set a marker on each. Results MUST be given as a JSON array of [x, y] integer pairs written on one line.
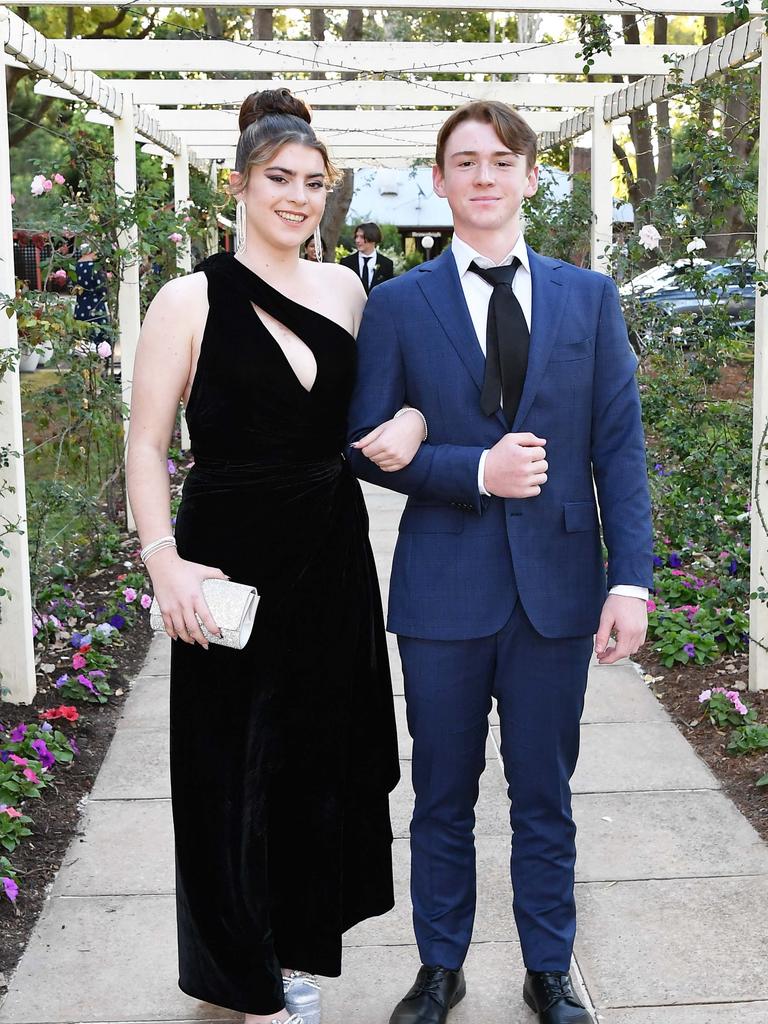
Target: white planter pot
[[45, 351], [29, 362]]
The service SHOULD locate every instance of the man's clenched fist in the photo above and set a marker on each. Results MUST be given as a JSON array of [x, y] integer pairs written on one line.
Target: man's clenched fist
[[516, 466]]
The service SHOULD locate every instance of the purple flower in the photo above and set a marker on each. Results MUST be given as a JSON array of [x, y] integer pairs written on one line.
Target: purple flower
[[674, 561], [44, 756], [690, 650], [97, 674], [46, 727], [11, 889], [658, 561], [61, 680], [18, 733], [76, 640], [4, 755], [733, 567], [171, 467], [117, 621], [86, 682], [73, 745]]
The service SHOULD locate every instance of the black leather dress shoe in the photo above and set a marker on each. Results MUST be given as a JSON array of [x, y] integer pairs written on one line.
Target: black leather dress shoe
[[434, 992], [551, 995]]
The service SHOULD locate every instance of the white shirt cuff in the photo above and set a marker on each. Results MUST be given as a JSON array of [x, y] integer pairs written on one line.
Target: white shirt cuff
[[627, 591], [481, 475]]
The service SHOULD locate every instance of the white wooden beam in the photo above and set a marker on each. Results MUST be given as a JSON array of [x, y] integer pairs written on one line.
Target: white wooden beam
[[601, 187], [393, 57], [17, 656], [758, 610], [128, 302], [642, 7], [364, 92], [730, 51]]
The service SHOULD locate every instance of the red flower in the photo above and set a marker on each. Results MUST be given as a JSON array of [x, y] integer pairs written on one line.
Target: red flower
[[84, 648], [67, 711]]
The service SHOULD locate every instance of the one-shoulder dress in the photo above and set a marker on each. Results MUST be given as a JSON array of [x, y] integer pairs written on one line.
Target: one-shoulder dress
[[282, 754]]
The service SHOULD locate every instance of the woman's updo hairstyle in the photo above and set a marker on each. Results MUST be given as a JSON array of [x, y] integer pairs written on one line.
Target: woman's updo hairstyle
[[268, 121]]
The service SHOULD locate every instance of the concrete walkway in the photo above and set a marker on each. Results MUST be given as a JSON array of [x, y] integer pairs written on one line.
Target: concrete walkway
[[672, 881]]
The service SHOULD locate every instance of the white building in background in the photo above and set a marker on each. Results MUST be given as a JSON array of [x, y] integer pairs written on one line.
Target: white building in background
[[405, 198]]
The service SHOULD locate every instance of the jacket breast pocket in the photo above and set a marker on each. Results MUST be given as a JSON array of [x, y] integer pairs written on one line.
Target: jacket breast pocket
[[432, 519], [580, 516], [566, 352]]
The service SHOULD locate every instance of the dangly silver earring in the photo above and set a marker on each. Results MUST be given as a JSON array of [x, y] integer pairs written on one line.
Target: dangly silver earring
[[241, 226], [318, 245]]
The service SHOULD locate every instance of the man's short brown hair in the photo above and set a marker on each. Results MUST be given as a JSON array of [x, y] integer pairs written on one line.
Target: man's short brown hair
[[515, 132]]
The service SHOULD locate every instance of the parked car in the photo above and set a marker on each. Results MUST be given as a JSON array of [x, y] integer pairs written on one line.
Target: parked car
[[669, 286]]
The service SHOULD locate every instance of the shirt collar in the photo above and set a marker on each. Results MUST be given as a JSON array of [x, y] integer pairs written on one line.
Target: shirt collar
[[464, 254], [363, 256]]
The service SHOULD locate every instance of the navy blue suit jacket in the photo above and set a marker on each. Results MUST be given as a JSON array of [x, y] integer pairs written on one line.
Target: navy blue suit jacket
[[462, 560]]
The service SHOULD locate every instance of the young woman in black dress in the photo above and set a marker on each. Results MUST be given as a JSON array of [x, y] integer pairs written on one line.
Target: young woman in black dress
[[282, 754]]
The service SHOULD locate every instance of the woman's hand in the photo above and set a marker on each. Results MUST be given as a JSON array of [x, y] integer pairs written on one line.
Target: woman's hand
[[393, 444], [178, 588]]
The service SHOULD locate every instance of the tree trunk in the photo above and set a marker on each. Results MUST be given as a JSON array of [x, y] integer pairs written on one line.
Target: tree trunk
[[640, 126], [263, 28], [317, 23], [660, 30], [335, 213]]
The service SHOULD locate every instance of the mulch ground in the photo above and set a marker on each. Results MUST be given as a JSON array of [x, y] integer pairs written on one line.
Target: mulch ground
[[678, 690], [56, 813]]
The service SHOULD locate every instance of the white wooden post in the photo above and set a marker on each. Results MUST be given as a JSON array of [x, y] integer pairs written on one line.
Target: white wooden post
[[213, 227], [17, 656], [758, 610], [601, 187], [129, 309], [184, 249]]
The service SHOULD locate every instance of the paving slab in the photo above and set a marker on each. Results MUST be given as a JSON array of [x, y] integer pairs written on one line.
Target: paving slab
[[679, 941], [137, 767], [110, 825], [103, 959], [718, 1013], [629, 757], [158, 660], [147, 706], [374, 980], [618, 694], [664, 835]]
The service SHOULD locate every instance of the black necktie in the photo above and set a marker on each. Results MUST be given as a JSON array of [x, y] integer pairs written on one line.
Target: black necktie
[[366, 282], [507, 339]]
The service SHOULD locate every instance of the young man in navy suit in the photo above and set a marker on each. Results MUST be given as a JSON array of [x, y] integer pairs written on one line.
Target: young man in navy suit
[[522, 368]]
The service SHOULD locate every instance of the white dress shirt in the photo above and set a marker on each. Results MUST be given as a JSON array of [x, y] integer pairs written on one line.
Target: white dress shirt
[[477, 293], [361, 258]]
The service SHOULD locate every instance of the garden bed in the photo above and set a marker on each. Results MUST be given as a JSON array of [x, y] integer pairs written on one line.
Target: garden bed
[[56, 813]]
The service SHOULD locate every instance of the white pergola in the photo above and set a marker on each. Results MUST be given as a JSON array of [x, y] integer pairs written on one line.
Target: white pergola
[[384, 115]]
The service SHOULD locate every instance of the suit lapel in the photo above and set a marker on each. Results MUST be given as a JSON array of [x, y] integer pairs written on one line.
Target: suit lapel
[[549, 299], [439, 281]]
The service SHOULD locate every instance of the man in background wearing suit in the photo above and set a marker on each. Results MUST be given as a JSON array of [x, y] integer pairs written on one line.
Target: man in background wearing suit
[[370, 266], [522, 368]]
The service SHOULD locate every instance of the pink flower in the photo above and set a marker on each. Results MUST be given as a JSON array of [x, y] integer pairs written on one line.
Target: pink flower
[[59, 275], [677, 572], [11, 889], [37, 187], [13, 199], [104, 349], [175, 237], [78, 661], [11, 812], [58, 178], [18, 760], [171, 467], [650, 605], [145, 601], [130, 595], [704, 696], [30, 776]]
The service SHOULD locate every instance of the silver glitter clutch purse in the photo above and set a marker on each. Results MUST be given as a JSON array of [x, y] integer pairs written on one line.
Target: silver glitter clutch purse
[[233, 607]]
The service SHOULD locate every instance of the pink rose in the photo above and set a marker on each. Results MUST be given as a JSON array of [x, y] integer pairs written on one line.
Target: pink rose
[[58, 178], [175, 237], [104, 349]]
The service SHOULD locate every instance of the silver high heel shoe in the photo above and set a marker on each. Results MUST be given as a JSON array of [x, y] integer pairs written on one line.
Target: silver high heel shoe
[[302, 996]]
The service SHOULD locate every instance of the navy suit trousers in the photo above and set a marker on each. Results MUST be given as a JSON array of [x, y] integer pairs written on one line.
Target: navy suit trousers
[[539, 685]]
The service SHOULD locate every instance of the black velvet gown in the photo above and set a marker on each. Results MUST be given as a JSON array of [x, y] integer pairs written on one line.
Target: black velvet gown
[[282, 754]]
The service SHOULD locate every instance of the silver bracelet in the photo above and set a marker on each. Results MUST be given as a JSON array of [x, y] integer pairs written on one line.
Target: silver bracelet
[[155, 546], [410, 408]]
